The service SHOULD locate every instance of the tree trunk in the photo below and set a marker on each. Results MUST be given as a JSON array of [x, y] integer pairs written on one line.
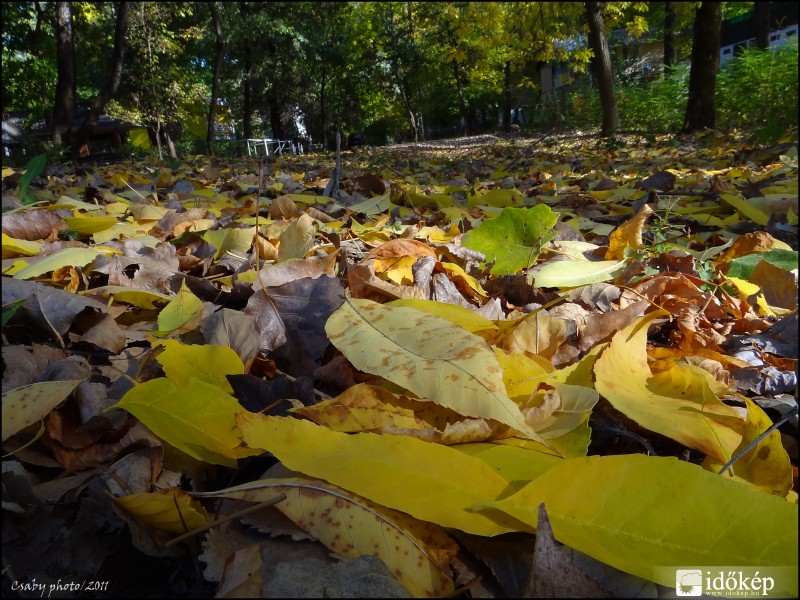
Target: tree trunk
[[65, 86], [100, 101], [462, 103], [506, 121], [762, 24], [669, 36], [247, 82], [601, 68], [212, 105], [700, 110]]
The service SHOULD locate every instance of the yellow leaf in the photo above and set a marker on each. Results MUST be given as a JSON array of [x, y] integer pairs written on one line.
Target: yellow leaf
[[522, 374], [171, 510], [68, 257], [198, 418], [90, 224], [362, 407], [184, 307], [139, 298], [746, 209], [628, 235], [644, 514], [427, 355], [297, 239], [677, 403], [518, 465], [13, 247], [25, 405], [236, 240], [206, 362], [428, 481], [418, 554], [767, 466]]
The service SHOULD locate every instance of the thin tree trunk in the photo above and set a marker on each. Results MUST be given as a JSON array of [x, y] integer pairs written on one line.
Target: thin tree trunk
[[601, 68], [65, 85], [762, 24], [110, 88], [247, 81], [212, 105], [506, 121], [700, 109], [669, 36]]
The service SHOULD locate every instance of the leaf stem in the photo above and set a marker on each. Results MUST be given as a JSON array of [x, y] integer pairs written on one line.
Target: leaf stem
[[756, 441]]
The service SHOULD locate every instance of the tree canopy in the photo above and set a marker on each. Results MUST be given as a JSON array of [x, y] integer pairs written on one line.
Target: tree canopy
[[392, 70]]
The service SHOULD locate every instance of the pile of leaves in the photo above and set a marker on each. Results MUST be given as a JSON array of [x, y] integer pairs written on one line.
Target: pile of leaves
[[220, 372]]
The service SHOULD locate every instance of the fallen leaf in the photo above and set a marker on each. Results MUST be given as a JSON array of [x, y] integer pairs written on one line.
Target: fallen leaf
[[417, 553], [449, 365], [711, 521], [677, 403], [428, 481]]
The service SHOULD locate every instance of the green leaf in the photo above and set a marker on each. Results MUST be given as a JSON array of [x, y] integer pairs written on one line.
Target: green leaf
[[744, 266], [644, 514], [11, 310], [33, 169], [514, 239]]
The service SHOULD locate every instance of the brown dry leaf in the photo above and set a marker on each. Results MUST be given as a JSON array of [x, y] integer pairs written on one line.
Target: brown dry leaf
[[540, 334], [283, 207], [553, 574], [779, 286], [266, 249], [365, 284], [311, 266], [749, 243], [32, 225], [241, 577], [600, 327]]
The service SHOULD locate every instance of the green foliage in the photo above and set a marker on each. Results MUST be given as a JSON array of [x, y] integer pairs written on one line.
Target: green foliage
[[758, 90], [33, 169]]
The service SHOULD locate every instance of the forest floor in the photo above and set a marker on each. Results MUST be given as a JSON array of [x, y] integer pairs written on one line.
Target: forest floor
[[470, 371]]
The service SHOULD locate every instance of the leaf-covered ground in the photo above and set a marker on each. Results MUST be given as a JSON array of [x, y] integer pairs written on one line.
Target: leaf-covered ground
[[233, 377]]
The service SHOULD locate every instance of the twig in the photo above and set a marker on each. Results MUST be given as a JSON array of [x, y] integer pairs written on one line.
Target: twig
[[756, 441], [230, 517]]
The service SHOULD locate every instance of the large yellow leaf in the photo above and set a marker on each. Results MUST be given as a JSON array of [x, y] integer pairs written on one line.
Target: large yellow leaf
[[207, 362], [198, 418], [767, 466], [417, 553], [518, 465], [68, 257], [27, 404], [171, 510], [431, 482], [677, 403], [644, 515], [427, 355]]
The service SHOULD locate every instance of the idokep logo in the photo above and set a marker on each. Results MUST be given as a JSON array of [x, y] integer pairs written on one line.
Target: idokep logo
[[730, 582], [689, 582]]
